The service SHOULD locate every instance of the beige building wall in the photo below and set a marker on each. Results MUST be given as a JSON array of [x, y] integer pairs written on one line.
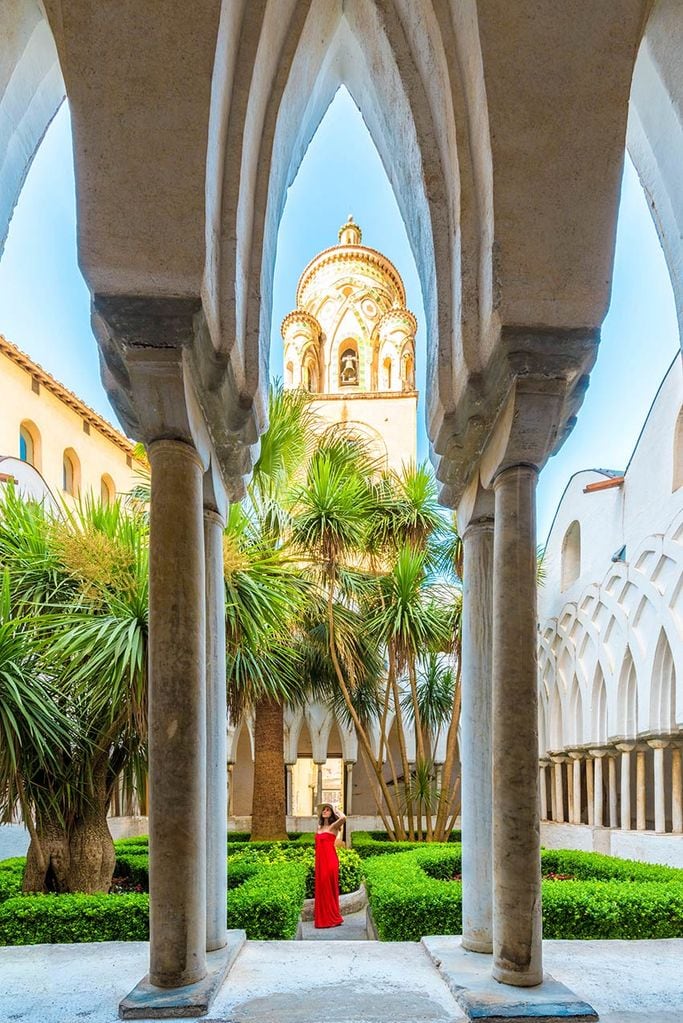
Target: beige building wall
[[58, 422], [387, 420]]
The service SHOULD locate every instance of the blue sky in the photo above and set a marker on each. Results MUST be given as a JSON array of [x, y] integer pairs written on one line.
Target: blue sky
[[45, 305]]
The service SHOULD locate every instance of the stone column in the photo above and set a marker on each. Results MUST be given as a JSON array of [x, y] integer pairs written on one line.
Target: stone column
[[231, 791], [576, 787], [216, 736], [626, 748], [590, 789], [289, 782], [177, 717], [659, 745], [612, 781], [476, 779], [598, 755], [570, 789], [676, 790], [348, 809], [319, 785], [641, 821], [558, 811], [516, 833], [542, 784]]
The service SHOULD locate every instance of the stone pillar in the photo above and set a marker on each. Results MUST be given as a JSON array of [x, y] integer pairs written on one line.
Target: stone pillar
[[570, 789], [177, 717], [598, 755], [289, 794], [348, 809], [558, 811], [626, 748], [590, 789], [659, 745], [516, 833], [641, 821], [476, 780], [576, 787], [216, 736], [612, 781], [542, 784], [319, 785], [676, 790], [231, 791]]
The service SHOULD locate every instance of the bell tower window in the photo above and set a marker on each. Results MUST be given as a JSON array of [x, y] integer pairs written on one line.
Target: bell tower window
[[348, 364]]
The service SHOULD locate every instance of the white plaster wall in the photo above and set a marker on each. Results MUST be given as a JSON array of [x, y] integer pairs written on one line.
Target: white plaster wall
[[616, 612], [628, 845]]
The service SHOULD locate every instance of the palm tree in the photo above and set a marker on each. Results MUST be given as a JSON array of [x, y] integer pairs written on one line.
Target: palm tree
[[81, 576]]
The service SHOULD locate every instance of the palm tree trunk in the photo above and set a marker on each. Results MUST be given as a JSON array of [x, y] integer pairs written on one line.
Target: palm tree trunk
[[269, 805], [404, 758], [440, 832], [360, 730]]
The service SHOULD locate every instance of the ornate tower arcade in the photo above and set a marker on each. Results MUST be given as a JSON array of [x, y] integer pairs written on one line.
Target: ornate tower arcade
[[351, 342]]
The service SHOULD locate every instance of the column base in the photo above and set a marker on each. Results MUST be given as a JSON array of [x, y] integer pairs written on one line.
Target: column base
[[471, 944], [482, 998], [146, 1001]]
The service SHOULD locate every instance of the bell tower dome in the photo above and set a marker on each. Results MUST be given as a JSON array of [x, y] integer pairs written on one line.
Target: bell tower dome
[[352, 337]]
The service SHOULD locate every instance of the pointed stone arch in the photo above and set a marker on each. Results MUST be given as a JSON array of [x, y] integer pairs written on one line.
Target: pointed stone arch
[[599, 722], [576, 723], [663, 688], [627, 698]]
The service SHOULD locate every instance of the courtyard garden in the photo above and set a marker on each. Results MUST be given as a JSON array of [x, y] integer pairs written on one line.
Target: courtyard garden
[[412, 892]]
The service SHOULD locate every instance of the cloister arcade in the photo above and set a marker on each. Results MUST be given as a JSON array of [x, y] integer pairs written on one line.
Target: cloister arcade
[[502, 128]]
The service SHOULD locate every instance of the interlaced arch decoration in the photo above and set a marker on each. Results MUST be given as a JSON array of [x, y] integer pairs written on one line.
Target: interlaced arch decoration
[[599, 648]]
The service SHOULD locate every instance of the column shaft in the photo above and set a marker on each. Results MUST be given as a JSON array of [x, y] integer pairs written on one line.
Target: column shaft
[[231, 791], [570, 791], [543, 791], [660, 806], [641, 821], [589, 790], [626, 790], [177, 718], [289, 785], [559, 792], [216, 737], [476, 780], [597, 792], [612, 774], [676, 791], [516, 833], [348, 809], [576, 785]]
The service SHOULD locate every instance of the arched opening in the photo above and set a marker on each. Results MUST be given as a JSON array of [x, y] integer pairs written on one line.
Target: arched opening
[[29, 444], [663, 688], [349, 369], [599, 709], [571, 555], [71, 473], [627, 698], [289, 374], [576, 715], [304, 776], [107, 490], [310, 376], [678, 453], [386, 373], [242, 795], [408, 368], [556, 729]]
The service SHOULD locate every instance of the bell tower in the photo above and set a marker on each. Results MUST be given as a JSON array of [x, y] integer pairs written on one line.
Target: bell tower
[[350, 341]]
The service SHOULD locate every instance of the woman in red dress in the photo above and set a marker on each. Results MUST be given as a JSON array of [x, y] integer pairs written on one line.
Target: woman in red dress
[[328, 837]]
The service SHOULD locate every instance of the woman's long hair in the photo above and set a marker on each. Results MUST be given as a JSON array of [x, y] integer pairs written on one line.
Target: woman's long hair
[[322, 823]]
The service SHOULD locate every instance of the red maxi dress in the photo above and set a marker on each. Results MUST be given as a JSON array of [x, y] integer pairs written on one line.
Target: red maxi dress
[[326, 913]]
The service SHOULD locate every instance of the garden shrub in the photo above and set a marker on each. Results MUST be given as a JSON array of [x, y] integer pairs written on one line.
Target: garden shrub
[[376, 843], [411, 895], [56, 919], [134, 866], [350, 864], [11, 877], [268, 905]]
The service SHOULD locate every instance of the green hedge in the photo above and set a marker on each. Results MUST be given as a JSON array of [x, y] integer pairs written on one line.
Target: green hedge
[[411, 894], [268, 905], [11, 877], [376, 843], [350, 865], [57, 919]]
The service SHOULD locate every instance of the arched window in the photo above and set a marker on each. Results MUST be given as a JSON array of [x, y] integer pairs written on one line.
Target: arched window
[[571, 555], [386, 374], [29, 444], [678, 453], [289, 375], [408, 368], [71, 472], [309, 372], [107, 490], [348, 363]]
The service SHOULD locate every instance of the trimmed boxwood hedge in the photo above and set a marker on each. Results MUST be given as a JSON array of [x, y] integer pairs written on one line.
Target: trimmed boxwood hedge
[[268, 905], [57, 919], [411, 895], [377, 843]]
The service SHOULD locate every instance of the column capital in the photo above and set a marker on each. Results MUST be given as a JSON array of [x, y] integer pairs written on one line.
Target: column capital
[[627, 746], [559, 758], [519, 408], [576, 754], [599, 752], [658, 743]]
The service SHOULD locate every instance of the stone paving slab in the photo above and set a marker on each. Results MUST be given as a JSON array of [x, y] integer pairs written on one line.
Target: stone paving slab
[[326, 982], [468, 976], [354, 928]]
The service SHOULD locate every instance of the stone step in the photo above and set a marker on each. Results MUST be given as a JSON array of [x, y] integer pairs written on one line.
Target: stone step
[[354, 928]]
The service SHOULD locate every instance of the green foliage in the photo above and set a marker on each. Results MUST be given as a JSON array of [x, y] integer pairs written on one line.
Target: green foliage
[[57, 919], [414, 893], [11, 875], [272, 853], [268, 904], [377, 843], [134, 866]]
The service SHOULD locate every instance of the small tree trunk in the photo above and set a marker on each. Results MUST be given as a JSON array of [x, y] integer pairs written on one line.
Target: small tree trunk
[[400, 734], [269, 803], [441, 830], [77, 856]]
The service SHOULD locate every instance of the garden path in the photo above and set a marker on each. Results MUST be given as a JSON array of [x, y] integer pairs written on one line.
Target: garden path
[[354, 928]]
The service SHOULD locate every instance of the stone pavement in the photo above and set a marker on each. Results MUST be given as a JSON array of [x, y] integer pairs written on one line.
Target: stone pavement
[[354, 928], [333, 982]]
